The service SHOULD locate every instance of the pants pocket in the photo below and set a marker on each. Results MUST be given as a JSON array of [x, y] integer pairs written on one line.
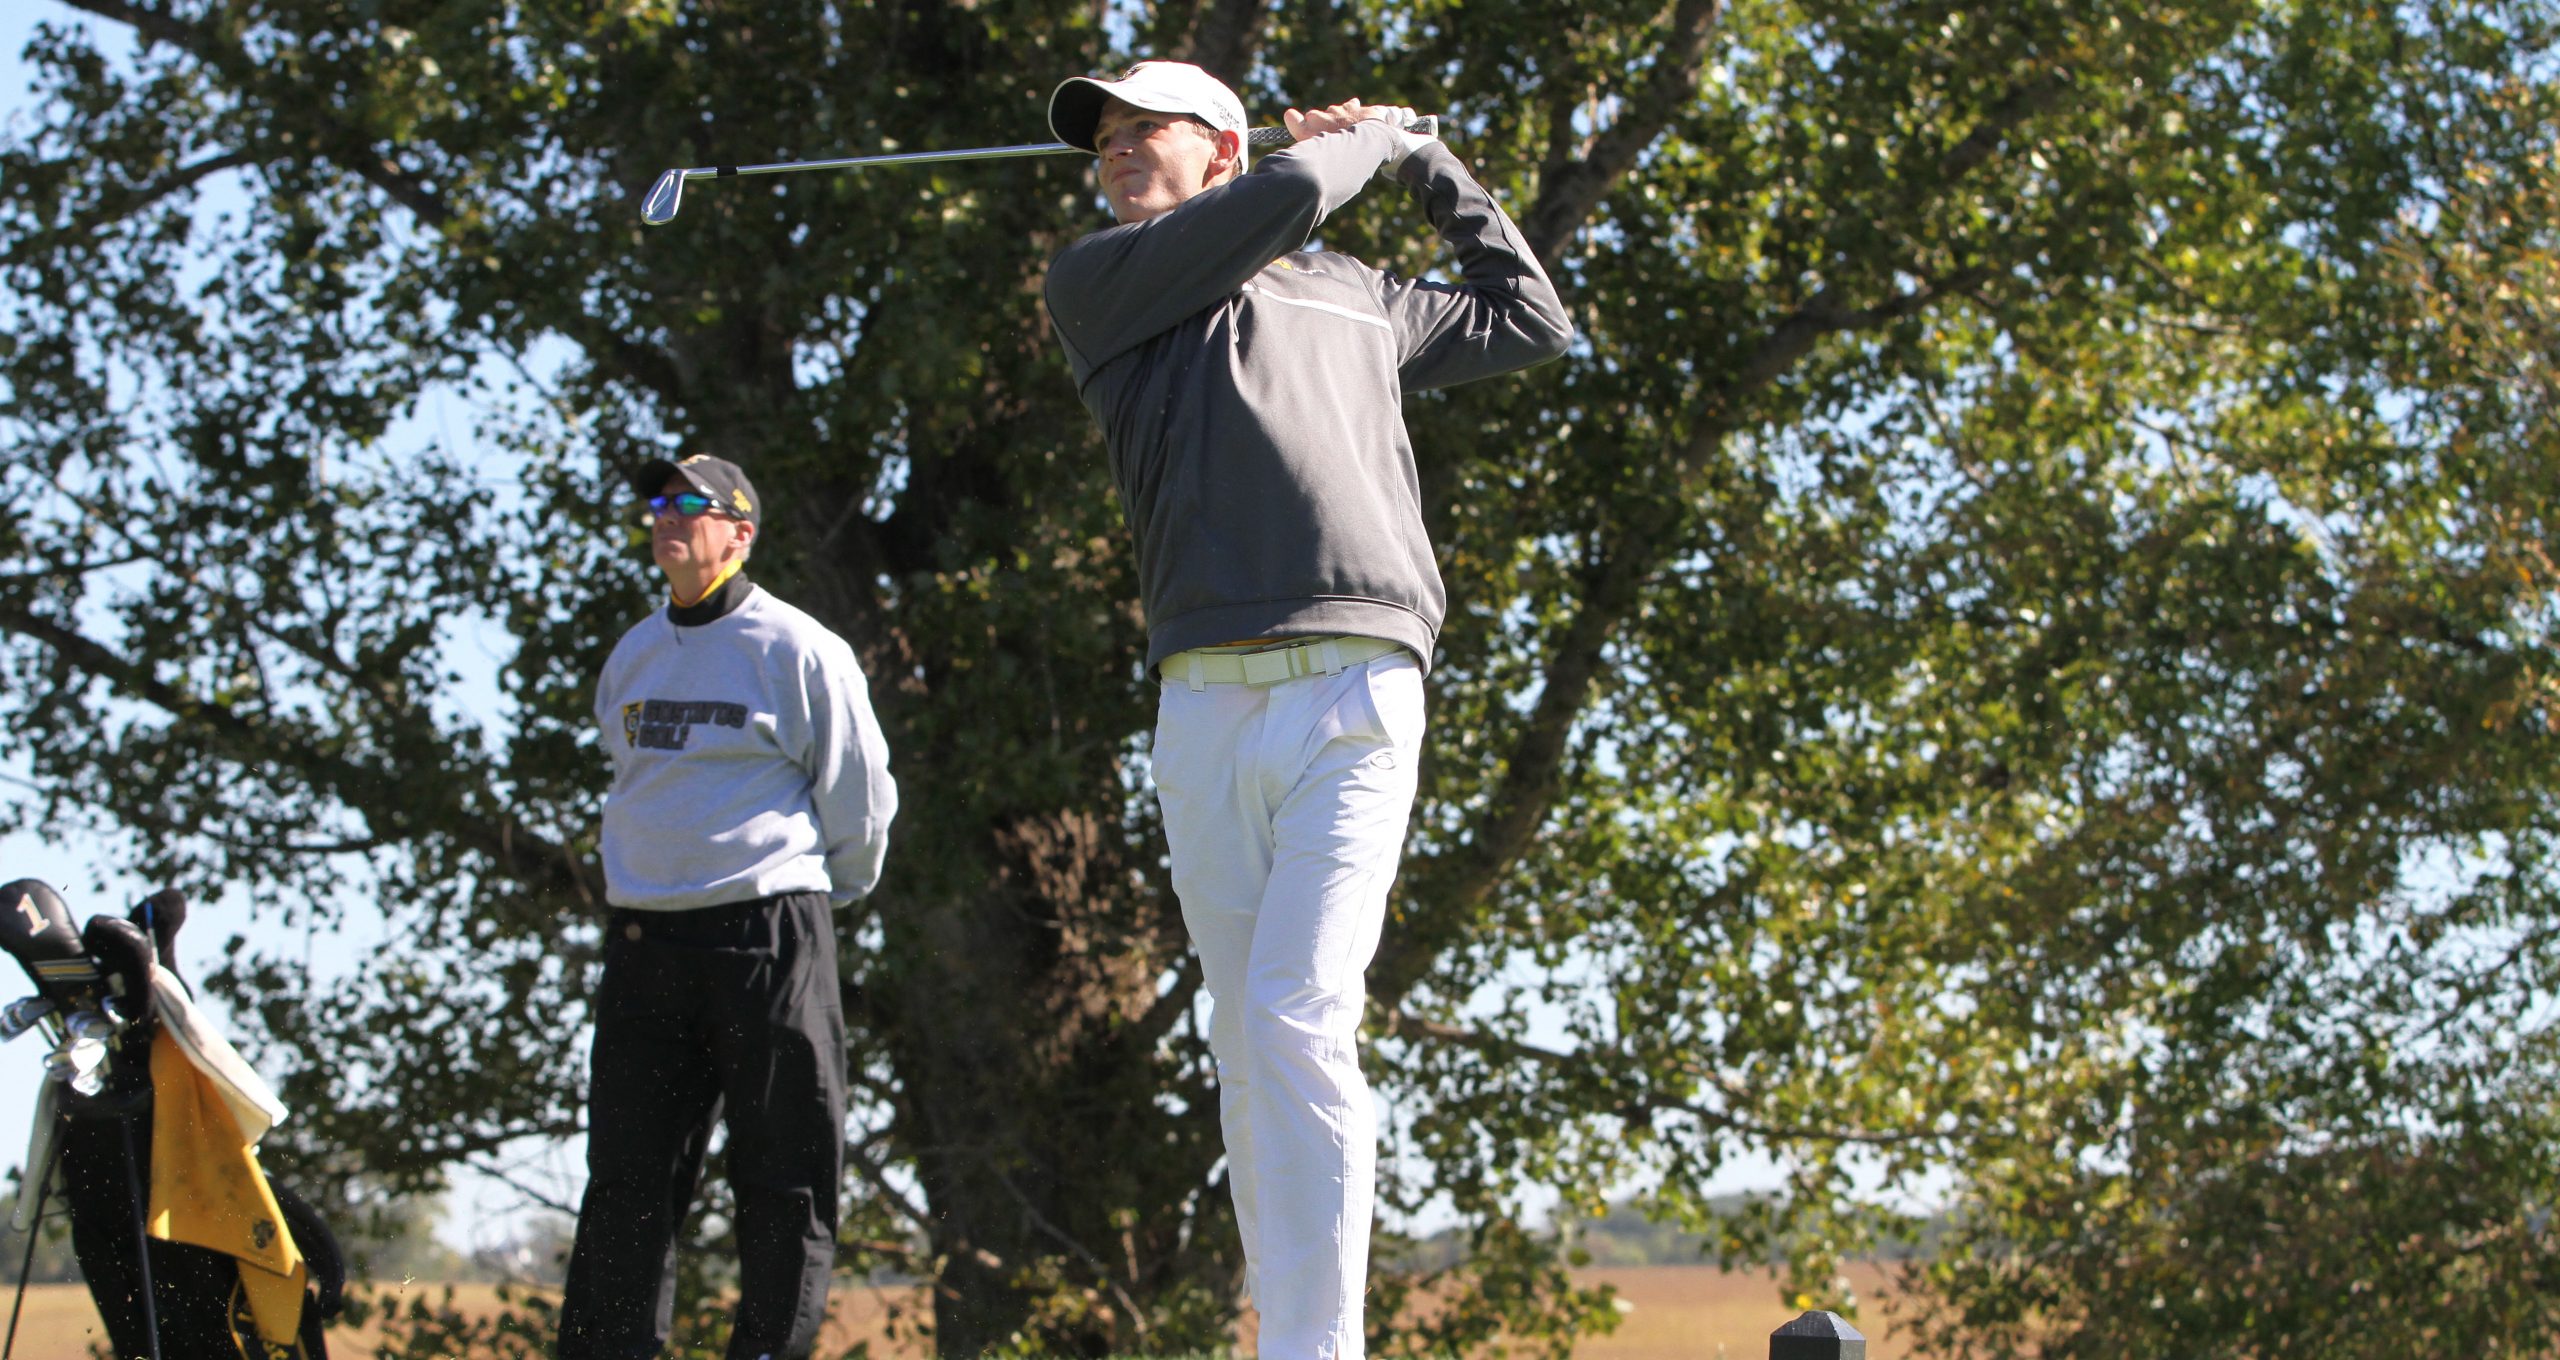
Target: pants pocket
[[1391, 697]]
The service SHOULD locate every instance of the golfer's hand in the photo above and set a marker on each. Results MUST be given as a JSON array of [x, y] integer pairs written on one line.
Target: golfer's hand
[[1339, 116], [1318, 122]]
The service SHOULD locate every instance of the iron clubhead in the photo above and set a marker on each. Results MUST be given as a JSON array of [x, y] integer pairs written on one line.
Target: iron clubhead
[[659, 208]]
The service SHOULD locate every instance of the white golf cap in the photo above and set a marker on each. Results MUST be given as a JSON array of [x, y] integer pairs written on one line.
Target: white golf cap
[[1156, 86]]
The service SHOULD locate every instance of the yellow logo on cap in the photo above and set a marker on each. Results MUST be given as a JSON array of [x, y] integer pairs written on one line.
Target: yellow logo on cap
[[739, 499]]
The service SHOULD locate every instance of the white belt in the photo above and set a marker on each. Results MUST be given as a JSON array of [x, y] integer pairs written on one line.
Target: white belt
[[1203, 667]]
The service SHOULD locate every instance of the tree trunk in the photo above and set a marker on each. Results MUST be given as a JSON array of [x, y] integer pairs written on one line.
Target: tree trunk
[[1065, 1163]]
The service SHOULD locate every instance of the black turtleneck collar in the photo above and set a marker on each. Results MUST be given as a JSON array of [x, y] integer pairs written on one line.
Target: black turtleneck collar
[[711, 607]]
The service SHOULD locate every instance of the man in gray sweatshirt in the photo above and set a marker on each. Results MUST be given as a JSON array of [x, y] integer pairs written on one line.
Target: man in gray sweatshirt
[[1251, 394], [750, 798]]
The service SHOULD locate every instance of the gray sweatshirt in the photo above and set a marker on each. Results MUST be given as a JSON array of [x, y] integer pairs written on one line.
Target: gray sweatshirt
[[1251, 392], [746, 762]]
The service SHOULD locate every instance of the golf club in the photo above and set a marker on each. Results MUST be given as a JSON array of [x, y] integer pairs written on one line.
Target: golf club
[[659, 207], [23, 1014]]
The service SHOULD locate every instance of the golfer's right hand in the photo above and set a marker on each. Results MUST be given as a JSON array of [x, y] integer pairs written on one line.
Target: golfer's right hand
[[1331, 118], [1403, 120], [1334, 118]]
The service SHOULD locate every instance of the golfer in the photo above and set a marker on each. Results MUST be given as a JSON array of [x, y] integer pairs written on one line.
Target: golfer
[[751, 795], [1251, 394]]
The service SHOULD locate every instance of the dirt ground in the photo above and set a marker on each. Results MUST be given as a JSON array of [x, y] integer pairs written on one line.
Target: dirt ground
[[1668, 1313]]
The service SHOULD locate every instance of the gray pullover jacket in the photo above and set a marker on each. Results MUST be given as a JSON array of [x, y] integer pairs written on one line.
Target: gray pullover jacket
[[1251, 391], [746, 759]]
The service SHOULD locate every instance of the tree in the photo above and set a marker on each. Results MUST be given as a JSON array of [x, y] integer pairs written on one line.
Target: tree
[[47, 1259], [2009, 653]]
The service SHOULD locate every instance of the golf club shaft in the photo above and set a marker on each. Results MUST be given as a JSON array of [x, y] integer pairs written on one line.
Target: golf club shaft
[[660, 205], [1255, 137], [984, 153]]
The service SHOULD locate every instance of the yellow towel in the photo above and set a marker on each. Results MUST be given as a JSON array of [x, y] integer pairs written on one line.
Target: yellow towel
[[207, 1189]]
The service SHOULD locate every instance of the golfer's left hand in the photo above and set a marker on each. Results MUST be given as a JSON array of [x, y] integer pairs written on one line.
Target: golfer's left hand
[[1334, 118], [1303, 124]]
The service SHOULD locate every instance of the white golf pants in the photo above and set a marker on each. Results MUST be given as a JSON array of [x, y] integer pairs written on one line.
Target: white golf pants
[[1285, 806]]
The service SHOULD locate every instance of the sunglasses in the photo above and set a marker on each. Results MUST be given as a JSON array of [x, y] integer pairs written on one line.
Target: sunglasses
[[686, 503]]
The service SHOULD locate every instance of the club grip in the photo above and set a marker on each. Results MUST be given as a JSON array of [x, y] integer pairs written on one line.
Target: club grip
[[1428, 125]]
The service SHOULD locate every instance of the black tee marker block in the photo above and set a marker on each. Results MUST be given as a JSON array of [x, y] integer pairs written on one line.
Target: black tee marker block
[[1818, 1336]]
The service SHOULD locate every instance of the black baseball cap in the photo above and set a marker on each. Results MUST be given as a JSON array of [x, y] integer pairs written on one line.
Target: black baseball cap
[[717, 478]]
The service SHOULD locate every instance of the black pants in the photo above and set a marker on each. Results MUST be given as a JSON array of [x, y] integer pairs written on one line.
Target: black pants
[[730, 1006]]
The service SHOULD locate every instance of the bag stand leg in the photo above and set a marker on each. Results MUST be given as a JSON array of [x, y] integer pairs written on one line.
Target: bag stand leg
[[43, 1183]]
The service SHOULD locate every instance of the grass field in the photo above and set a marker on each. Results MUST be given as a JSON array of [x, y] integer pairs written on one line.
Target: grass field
[[1701, 1313], [1670, 1313]]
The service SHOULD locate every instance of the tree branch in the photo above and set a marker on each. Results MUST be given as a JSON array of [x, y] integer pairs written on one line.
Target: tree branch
[[116, 206], [1792, 338], [1533, 777], [34, 575], [496, 1171], [153, 26], [1983, 141], [387, 689], [1137, 1316], [858, 1155], [145, 820], [1572, 189], [341, 141], [1402, 1025], [540, 864]]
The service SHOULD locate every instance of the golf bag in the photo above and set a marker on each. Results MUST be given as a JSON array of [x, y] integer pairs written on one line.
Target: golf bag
[[133, 1059]]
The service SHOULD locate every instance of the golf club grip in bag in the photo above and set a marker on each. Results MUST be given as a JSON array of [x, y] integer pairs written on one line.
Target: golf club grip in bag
[[36, 929], [106, 999]]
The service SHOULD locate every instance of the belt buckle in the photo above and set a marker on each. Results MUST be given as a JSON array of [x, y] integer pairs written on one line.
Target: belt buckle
[[1269, 668]]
